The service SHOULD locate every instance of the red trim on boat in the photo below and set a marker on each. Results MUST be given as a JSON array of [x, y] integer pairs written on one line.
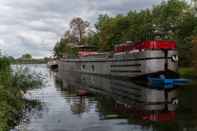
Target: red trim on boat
[[148, 44]]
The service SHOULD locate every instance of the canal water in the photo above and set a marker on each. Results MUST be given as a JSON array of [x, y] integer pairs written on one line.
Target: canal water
[[91, 103]]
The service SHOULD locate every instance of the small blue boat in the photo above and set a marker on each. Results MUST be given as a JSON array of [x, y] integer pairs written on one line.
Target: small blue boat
[[167, 83]]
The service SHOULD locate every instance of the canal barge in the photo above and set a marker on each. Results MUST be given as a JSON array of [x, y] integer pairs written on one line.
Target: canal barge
[[127, 60]]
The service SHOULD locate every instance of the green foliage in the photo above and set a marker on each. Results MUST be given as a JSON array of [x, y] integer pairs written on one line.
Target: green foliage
[[63, 49], [32, 61], [26, 56], [93, 39], [174, 17], [5, 71], [23, 79], [76, 35], [169, 14], [186, 72], [71, 52], [12, 86], [60, 48], [133, 27]]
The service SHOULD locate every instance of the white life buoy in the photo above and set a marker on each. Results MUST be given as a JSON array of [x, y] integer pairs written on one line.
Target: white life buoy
[[175, 58]]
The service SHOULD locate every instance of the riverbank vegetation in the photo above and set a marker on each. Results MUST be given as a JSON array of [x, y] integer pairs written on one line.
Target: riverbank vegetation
[[13, 84], [176, 17], [187, 72], [194, 54], [28, 59], [32, 61]]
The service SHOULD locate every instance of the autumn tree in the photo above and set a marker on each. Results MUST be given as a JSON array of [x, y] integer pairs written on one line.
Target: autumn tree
[[78, 29], [76, 34]]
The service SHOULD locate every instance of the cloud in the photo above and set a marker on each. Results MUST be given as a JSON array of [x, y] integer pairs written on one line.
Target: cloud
[[29, 26]]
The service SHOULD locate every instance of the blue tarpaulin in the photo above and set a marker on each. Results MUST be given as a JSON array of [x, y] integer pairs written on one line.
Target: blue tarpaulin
[[166, 83]]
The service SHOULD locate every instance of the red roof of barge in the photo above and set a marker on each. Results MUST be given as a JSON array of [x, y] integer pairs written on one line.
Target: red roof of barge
[[148, 44]]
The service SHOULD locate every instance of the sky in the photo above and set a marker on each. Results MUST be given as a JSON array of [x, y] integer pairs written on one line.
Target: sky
[[34, 26]]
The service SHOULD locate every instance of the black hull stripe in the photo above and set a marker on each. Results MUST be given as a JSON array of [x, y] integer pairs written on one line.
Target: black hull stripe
[[126, 77], [125, 65], [125, 71], [115, 84], [116, 60]]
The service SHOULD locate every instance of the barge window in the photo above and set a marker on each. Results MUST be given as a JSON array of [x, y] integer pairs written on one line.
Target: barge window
[[92, 67], [83, 66]]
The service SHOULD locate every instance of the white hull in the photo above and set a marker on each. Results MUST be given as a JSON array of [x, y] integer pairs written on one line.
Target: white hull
[[123, 65]]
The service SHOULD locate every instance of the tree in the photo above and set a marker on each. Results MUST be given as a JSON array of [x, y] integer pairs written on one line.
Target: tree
[[26, 56], [63, 49], [194, 53], [115, 30], [169, 13], [60, 48], [93, 39], [78, 28], [75, 35], [173, 17]]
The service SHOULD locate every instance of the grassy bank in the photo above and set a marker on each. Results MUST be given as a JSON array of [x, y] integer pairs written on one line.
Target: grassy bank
[[32, 61], [187, 72], [12, 88]]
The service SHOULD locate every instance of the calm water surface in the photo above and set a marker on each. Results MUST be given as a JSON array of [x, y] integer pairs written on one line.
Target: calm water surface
[[62, 109]]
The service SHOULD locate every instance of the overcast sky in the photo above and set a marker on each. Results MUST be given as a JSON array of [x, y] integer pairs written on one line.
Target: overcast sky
[[33, 26]]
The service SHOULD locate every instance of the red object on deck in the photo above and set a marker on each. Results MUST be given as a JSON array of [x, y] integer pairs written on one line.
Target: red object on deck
[[161, 117], [83, 92], [87, 53], [148, 44]]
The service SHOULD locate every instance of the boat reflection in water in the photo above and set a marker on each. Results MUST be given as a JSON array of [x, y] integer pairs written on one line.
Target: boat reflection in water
[[122, 97]]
